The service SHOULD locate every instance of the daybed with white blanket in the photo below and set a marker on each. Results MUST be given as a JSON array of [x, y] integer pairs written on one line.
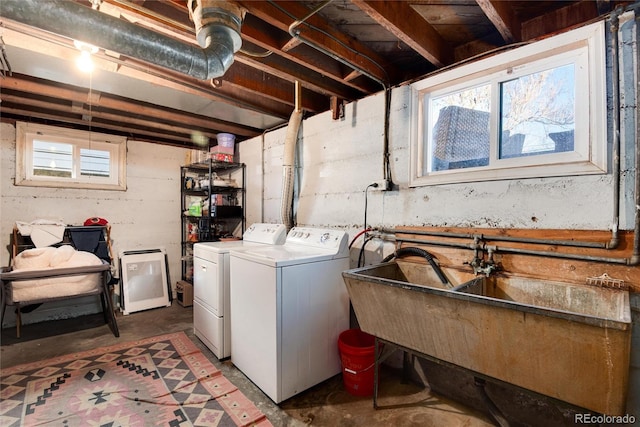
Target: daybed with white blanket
[[46, 274]]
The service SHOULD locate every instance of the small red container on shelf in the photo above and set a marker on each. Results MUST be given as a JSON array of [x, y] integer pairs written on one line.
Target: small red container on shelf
[[222, 157]]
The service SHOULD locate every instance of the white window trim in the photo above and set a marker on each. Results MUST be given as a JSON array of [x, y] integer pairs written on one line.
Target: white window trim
[[587, 44], [116, 145]]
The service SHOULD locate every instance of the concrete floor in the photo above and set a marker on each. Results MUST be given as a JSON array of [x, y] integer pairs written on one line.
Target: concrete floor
[[327, 404]]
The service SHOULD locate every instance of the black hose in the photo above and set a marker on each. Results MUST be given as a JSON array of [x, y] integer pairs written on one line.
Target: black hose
[[361, 255], [419, 252]]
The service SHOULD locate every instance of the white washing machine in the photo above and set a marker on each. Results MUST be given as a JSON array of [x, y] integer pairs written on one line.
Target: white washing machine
[[289, 305], [211, 284]]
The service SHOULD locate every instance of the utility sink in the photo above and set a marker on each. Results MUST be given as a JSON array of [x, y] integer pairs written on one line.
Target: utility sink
[[564, 340]]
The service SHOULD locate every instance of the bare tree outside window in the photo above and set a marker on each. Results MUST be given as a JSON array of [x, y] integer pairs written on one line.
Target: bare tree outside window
[[538, 113], [535, 111]]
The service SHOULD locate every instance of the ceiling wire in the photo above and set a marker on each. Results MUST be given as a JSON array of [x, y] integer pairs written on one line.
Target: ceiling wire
[[331, 36], [294, 32], [256, 54], [90, 105], [5, 67]]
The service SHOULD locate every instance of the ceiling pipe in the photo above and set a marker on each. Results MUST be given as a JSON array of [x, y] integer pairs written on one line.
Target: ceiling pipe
[[217, 31]]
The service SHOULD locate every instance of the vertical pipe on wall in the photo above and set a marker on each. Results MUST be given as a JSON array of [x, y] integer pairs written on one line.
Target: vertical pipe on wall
[[615, 153], [635, 258]]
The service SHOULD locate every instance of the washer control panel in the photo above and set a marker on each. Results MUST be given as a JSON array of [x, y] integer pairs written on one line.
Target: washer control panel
[[334, 240], [273, 234]]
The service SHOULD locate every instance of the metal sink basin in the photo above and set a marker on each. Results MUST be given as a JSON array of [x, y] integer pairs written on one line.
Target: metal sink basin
[[568, 341]]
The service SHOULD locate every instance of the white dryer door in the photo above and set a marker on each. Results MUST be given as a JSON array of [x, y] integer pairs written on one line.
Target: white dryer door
[[208, 284]]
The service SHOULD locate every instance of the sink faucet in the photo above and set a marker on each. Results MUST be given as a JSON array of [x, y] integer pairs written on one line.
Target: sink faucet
[[479, 265]]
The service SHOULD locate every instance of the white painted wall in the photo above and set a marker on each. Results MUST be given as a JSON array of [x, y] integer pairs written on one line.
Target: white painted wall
[[337, 160], [147, 215]]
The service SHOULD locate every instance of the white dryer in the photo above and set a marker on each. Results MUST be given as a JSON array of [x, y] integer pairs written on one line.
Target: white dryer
[[211, 303], [289, 305]]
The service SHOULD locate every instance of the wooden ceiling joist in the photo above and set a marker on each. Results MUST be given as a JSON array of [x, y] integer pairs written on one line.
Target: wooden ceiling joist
[[283, 14], [401, 20], [503, 18]]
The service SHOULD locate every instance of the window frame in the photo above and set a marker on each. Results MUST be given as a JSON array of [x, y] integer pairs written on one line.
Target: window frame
[[79, 139], [584, 47]]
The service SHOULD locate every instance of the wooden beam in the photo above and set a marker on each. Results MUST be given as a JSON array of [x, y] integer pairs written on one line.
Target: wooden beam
[[73, 96], [337, 108], [559, 20], [139, 134], [270, 38], [273, 87], [127, 121], [336, 44], [399, 18], [289, 70], [204, 89], [503, 18]]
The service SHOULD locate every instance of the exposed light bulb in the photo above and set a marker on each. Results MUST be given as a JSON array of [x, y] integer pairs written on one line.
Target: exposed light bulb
[[84, 62]]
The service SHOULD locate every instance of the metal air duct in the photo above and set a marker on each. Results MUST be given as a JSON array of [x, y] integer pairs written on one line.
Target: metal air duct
[[217, 31]]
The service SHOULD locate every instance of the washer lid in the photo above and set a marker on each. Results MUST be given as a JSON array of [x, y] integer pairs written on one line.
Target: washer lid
[[287, 254], [219, 247], [256, 234]]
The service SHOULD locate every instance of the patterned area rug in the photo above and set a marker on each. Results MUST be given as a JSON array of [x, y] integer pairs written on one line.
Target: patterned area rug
[[159, 381]]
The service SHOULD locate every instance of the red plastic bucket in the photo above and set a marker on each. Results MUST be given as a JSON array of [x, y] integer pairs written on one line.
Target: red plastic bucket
[[357, 354]]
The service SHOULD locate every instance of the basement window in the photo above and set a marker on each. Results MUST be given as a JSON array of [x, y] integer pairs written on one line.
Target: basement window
[[48, 156], [534, 111]]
